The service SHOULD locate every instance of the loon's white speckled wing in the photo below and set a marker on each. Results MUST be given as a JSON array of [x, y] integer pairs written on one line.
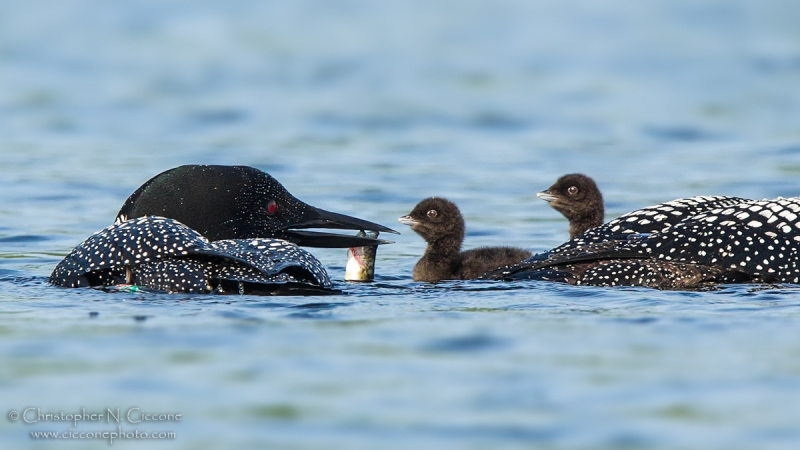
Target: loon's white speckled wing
[[272, 256], [164, 254], [758, 237], [653, 219], [106, 253]]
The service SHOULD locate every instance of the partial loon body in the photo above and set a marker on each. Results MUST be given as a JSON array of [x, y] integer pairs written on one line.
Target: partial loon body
[[221, 229], [165, 255], [441, 224], [682, 244]]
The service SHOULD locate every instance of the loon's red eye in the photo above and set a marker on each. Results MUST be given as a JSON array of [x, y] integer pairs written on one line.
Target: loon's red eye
[[272, 207]]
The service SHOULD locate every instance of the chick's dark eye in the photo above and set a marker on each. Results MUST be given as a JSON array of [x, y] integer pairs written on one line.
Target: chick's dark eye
[[272, 207], [572, 190], [432, 213]]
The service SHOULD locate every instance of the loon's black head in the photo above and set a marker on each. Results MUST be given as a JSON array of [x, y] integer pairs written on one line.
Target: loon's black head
[[578, 198], [240, 202], [435, 219]]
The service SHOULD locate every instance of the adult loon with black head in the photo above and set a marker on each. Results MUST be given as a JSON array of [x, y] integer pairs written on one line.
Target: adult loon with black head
[[201, 229]]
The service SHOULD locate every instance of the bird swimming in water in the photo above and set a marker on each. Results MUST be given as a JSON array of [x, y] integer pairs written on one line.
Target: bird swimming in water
[[578, 198], [441, 224], [222, 229], [683, 244]]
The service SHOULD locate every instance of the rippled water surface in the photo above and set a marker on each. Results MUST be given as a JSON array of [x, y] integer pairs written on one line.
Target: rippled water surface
[[364, 108]]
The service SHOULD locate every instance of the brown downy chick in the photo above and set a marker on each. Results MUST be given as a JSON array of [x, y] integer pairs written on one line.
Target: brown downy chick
[[441, 224], [578, 198]]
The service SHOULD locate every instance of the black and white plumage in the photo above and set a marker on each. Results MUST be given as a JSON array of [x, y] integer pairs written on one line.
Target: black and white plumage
[[166, 255], [652, 219], [224, 229], [682, 244]]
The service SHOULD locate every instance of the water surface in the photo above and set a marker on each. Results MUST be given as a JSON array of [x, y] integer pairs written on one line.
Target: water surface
[[365, 108]]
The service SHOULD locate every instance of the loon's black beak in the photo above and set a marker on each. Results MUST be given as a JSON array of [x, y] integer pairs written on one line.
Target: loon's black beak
[[319, 218]]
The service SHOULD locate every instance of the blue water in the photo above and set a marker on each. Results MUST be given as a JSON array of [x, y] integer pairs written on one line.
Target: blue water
[[364, 108]]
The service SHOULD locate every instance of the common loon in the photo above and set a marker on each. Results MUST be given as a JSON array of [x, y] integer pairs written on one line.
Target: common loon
[[441, 224], [578, 198], [683, 244], [201, 229]]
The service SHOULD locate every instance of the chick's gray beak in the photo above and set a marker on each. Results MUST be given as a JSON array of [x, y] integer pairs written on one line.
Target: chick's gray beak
[[546, 196], [407, 220]]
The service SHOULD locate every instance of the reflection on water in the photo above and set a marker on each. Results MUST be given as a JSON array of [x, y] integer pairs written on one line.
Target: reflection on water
[[366, 108]]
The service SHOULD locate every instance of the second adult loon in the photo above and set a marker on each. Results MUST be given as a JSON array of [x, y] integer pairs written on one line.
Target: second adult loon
[[682, 244], [224, 229]]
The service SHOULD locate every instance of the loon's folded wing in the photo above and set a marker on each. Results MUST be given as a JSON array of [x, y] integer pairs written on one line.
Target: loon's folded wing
[[271, 257], [597, 251], [758, 237], [137, 241], [165, 254], [652, 219]]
